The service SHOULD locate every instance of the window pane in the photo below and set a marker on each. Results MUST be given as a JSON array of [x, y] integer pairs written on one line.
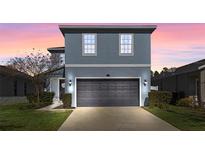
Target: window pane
[[86, 36], [93, 41]]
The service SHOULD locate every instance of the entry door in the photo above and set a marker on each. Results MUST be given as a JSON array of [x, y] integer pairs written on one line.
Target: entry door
[[61, 88], [107, 92]]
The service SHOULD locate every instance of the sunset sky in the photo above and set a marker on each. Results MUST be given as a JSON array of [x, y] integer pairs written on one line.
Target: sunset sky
[[173, 45]]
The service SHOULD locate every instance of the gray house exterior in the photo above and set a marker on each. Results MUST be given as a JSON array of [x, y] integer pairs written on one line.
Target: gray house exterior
[[107, 72], [187, 80]]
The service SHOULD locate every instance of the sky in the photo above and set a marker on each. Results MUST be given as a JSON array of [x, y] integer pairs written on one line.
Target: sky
[[173, 45]]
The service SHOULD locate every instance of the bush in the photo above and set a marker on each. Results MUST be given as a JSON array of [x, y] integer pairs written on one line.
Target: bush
[[180, 95], [174, 98], [186, 102], [67, 99], [31, 98], [45, 97], [160, 99]]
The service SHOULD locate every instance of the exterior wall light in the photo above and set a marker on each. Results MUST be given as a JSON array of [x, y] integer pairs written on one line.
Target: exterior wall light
[[70, 82], [145, 82]]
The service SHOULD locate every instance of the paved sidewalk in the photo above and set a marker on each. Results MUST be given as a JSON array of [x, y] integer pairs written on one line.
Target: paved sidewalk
[[52, 106], [114, 119]]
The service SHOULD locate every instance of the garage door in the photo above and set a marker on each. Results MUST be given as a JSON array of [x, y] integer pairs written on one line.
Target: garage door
[[107, 92]]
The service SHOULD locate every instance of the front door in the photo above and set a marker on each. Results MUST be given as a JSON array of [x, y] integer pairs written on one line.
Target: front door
[[61, 88]]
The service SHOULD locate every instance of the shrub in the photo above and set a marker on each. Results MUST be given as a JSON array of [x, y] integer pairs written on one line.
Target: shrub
[[174, 98], [160, 99], [31, 98], [67, 98], [180, 95], [187, 102], [46, 97], [153, 98]]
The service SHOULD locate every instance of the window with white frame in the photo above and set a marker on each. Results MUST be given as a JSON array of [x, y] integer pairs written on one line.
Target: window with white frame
[[126, 44], [89, 44]]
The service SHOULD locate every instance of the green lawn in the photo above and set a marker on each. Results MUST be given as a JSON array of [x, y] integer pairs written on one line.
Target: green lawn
[[181, 117], [12, 117]]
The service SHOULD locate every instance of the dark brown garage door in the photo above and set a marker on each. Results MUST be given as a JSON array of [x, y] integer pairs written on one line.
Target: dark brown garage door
[[107, 92]]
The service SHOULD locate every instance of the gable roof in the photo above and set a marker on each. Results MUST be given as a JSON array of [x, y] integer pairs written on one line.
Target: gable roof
[[107, 28], [60, 71], [192, 67]]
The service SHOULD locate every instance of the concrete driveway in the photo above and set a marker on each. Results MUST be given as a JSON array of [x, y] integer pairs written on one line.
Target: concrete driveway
[[114, 119]]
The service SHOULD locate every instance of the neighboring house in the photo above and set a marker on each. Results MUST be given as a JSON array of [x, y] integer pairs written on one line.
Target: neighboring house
[[13, 83], [105, 65], [188, 80]]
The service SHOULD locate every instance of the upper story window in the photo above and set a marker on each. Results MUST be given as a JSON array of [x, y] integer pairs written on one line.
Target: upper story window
[[89, 42], [126, 45]]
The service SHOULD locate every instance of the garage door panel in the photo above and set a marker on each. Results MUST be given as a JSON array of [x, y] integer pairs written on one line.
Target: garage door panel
[[108, 92]]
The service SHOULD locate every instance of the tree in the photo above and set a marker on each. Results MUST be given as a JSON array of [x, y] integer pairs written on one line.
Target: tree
[[34, 65], [172, 69], [165, 69], [55, 61], [156, 73]]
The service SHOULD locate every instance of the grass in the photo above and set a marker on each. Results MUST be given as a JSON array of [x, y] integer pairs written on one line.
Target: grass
[[14, 118], [183, 118]]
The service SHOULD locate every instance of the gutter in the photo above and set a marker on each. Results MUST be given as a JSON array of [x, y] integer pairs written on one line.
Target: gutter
[[201, 67]]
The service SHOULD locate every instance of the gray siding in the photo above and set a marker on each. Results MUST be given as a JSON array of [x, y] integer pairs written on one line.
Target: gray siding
[[187, 83], [143, 73], [6, 86], [107, 50]]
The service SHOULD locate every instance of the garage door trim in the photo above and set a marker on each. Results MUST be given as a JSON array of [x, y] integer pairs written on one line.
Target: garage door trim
[[76, 78]]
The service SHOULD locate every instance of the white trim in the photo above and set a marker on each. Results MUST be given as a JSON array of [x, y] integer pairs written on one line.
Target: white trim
[[132, 45], [140, 92], [107, 65], [75, 92], [89, 54], [201, 67], [61, 78]]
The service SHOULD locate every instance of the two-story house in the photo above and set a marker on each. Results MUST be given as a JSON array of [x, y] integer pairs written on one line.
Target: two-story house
[[105, 65]]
